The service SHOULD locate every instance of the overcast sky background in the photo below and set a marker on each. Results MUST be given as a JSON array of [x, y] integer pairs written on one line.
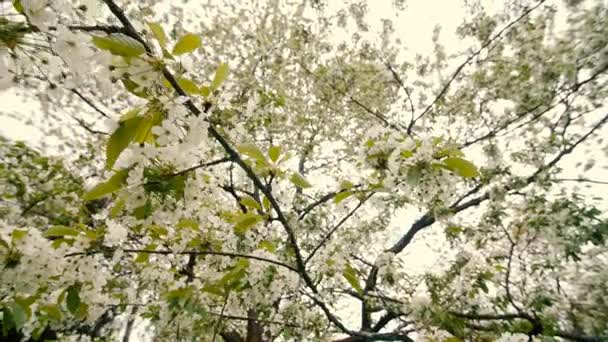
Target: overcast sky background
[[415, 26]]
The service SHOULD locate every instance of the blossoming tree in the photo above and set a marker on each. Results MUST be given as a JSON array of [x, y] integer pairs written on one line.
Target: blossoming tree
[[235, 170]]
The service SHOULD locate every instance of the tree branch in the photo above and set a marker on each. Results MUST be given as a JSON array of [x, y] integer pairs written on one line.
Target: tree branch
[[467, 61], [168, 252], [301, 268], [428, 219], [336, 227]]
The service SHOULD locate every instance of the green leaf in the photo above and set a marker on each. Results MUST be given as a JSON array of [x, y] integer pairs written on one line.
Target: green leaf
[[299, 181], [82, 311], [462, 167], [52, 311], [233, 279], [130, 114], [213, 289], [134, 88], [452, 339], [187, 85], [117, 208], [120, 139], [245, 221], [25, 303], [60, 231], [18, 234], [188, 223], [449, 152], [453, 231], [220, 76], [143, 257], [267, 245], [413, 176], [346, 185], [119, 44], [205, 91], [60, 241], [483, 286], [105, 188], [406, 154], [252, 151], [143, 211], [18, 6], [19, 315], [522, 326], [266, 203], [274, 152], [251, 203], [187, 43], [159, 34], [6, 324], [72, 299], [341, 196], [350, 275], [142, 132]]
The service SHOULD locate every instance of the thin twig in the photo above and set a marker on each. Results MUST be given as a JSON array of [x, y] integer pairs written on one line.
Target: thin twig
[[169, 252], [88, 102], [336, 227], [467, 61]]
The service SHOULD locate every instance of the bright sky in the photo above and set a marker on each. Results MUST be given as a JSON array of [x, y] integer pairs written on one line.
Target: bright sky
[[415, 27]]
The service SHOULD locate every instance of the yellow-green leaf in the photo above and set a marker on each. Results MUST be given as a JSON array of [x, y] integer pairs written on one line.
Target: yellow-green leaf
[[18, 6], [205, 91], [119, 44], [350, 275], [187, 43], [134, 88], [246, 221], [267, 245], [452, 339], [120, 139], [117, 208], [25, 303], [406, 154], [220, 76], [341, 196], [252, 151], [346, 185], [274, 152], [59, 241], [143, 257], [130, 114], [60, 231], [448, 152], [266, 203], [18, 234], [105, 188], [158, 33], [187, 85], [142, 133], [413, 175], [299, 181], [462, 167], [188, 223], [52, 311], [18, 315], [251, 203], [73, 299]]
